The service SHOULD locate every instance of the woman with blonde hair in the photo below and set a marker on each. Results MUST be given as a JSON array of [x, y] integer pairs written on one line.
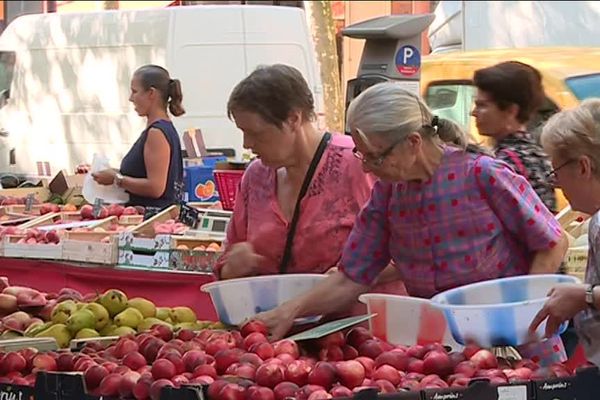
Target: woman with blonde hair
[[443, 211], [572, 139]]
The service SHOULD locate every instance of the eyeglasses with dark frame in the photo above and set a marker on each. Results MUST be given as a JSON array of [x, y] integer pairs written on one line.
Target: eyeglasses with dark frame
[[378, 160], [552, 174]]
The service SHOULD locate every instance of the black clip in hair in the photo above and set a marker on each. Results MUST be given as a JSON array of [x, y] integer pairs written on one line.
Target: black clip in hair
[[435, 122]]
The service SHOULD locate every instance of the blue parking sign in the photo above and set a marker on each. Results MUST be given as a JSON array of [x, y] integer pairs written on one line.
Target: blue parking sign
[[408, 60]]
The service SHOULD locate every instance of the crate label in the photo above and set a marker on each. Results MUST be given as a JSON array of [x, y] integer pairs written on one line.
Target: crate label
[[512, 393], [97, 207], [29, 202]]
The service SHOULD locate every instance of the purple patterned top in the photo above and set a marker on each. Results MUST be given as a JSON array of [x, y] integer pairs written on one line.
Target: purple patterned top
[[475, 219]]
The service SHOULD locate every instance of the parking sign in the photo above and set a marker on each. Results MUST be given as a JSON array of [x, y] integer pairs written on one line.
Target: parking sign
[[408, 60]]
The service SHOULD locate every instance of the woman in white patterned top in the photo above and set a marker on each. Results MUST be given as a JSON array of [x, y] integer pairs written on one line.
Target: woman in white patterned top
[[572, 139]]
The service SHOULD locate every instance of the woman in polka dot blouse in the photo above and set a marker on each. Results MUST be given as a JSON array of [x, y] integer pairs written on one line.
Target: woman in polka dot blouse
[[446, 213]]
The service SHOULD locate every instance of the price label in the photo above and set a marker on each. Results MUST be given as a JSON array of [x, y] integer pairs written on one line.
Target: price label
[[151, 212], [188, 215], [29, 202], [512, 392], [97, 207]]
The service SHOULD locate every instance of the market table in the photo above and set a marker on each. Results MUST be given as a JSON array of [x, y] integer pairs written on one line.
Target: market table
[[164, 288]]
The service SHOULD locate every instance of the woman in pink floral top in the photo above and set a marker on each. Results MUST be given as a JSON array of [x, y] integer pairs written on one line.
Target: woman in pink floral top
[[443, 211], [274, 109]]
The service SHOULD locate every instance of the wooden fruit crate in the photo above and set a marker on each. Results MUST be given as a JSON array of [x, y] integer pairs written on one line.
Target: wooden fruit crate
[[37, 251], [186, 256], [89, 247], [131, 220], [142, 237], [576, 261], [8, 217], [68, 217]]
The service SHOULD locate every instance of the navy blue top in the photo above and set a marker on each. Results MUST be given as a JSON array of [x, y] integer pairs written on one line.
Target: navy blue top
[[133, 165]]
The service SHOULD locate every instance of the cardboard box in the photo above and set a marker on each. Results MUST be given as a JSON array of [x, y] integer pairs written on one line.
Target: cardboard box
[[67, 186]]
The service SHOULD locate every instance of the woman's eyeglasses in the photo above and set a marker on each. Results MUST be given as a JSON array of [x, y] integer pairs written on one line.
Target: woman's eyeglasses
[[378, 160], [552, 174]]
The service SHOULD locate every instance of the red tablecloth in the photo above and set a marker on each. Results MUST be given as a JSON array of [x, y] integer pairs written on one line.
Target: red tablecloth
[[166, 289]]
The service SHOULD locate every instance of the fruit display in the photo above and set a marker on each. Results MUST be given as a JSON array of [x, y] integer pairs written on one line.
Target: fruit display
[[169, 227], [244, 365], [12, 200], [68, 315], [211, 247]]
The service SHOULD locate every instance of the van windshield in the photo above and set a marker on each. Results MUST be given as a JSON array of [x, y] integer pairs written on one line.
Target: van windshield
[[7, 67], [584, 86]]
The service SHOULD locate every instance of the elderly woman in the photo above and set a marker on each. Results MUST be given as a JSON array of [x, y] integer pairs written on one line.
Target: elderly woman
[[508, 95], [298, 202], [445, 213], [572, 139]]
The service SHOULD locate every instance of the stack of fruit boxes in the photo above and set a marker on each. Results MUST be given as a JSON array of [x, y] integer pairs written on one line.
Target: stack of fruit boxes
[[141, 247]]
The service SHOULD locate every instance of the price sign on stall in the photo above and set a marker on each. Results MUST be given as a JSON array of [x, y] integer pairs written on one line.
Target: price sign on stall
[[29, 202], [97, 207], [188, 215]]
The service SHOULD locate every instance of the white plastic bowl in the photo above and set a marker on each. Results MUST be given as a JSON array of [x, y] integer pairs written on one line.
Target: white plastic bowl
[[498, 312], [236, 300], [404, 320]]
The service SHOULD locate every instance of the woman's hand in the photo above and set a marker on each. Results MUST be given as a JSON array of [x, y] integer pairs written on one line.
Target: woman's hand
[[566, 300], [279, 321], [242, 261], [105, 177]]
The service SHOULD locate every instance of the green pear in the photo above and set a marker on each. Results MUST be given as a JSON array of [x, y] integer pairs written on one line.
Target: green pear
[[100, 313], [148, 323], [33, 330], [59, 332], [182, 314], [114, 301], [81, 306], [163, 313], [80, 320], [62, 311], [86, 333], [124, 331], [129, 317], [10, 335], [194, 326], [108, 330]]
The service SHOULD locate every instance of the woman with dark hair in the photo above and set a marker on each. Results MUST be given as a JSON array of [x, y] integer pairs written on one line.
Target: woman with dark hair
[[152, 170], [508, 95], [298, 201]]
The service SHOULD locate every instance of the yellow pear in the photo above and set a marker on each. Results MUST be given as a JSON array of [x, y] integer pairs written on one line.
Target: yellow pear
[[194, 326], [101, 314], [146, 307], [108, 330], [148, 323], [129, 317], [124, 331], [87, 333], [33, 330], [62, 311], [59, 332], [163, 313], [114, 301], [182, 314], [80, 320]]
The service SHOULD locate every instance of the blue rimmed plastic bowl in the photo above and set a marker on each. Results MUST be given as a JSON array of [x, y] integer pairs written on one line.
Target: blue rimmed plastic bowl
[[236, 300], [498, 312]]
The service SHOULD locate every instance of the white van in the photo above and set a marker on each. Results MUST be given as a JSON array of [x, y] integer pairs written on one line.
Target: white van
[[67, 76]]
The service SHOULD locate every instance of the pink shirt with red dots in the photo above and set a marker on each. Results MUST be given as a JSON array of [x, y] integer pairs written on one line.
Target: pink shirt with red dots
[[475, 219]]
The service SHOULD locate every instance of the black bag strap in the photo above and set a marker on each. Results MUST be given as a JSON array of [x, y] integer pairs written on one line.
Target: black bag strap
[[287, 252]]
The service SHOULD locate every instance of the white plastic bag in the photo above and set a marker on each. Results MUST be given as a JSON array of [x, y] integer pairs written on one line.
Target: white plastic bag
[[108, 193]]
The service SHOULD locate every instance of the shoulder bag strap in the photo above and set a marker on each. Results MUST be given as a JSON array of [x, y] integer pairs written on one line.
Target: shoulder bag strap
[[287, 253]]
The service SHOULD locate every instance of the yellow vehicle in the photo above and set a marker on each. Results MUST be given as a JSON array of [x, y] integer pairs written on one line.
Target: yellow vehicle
[[569, 75]]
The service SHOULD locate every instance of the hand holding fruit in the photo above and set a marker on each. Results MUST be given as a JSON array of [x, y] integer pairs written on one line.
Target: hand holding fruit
[[105, 177], [564, 302], [242, 261], [278, 321]]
